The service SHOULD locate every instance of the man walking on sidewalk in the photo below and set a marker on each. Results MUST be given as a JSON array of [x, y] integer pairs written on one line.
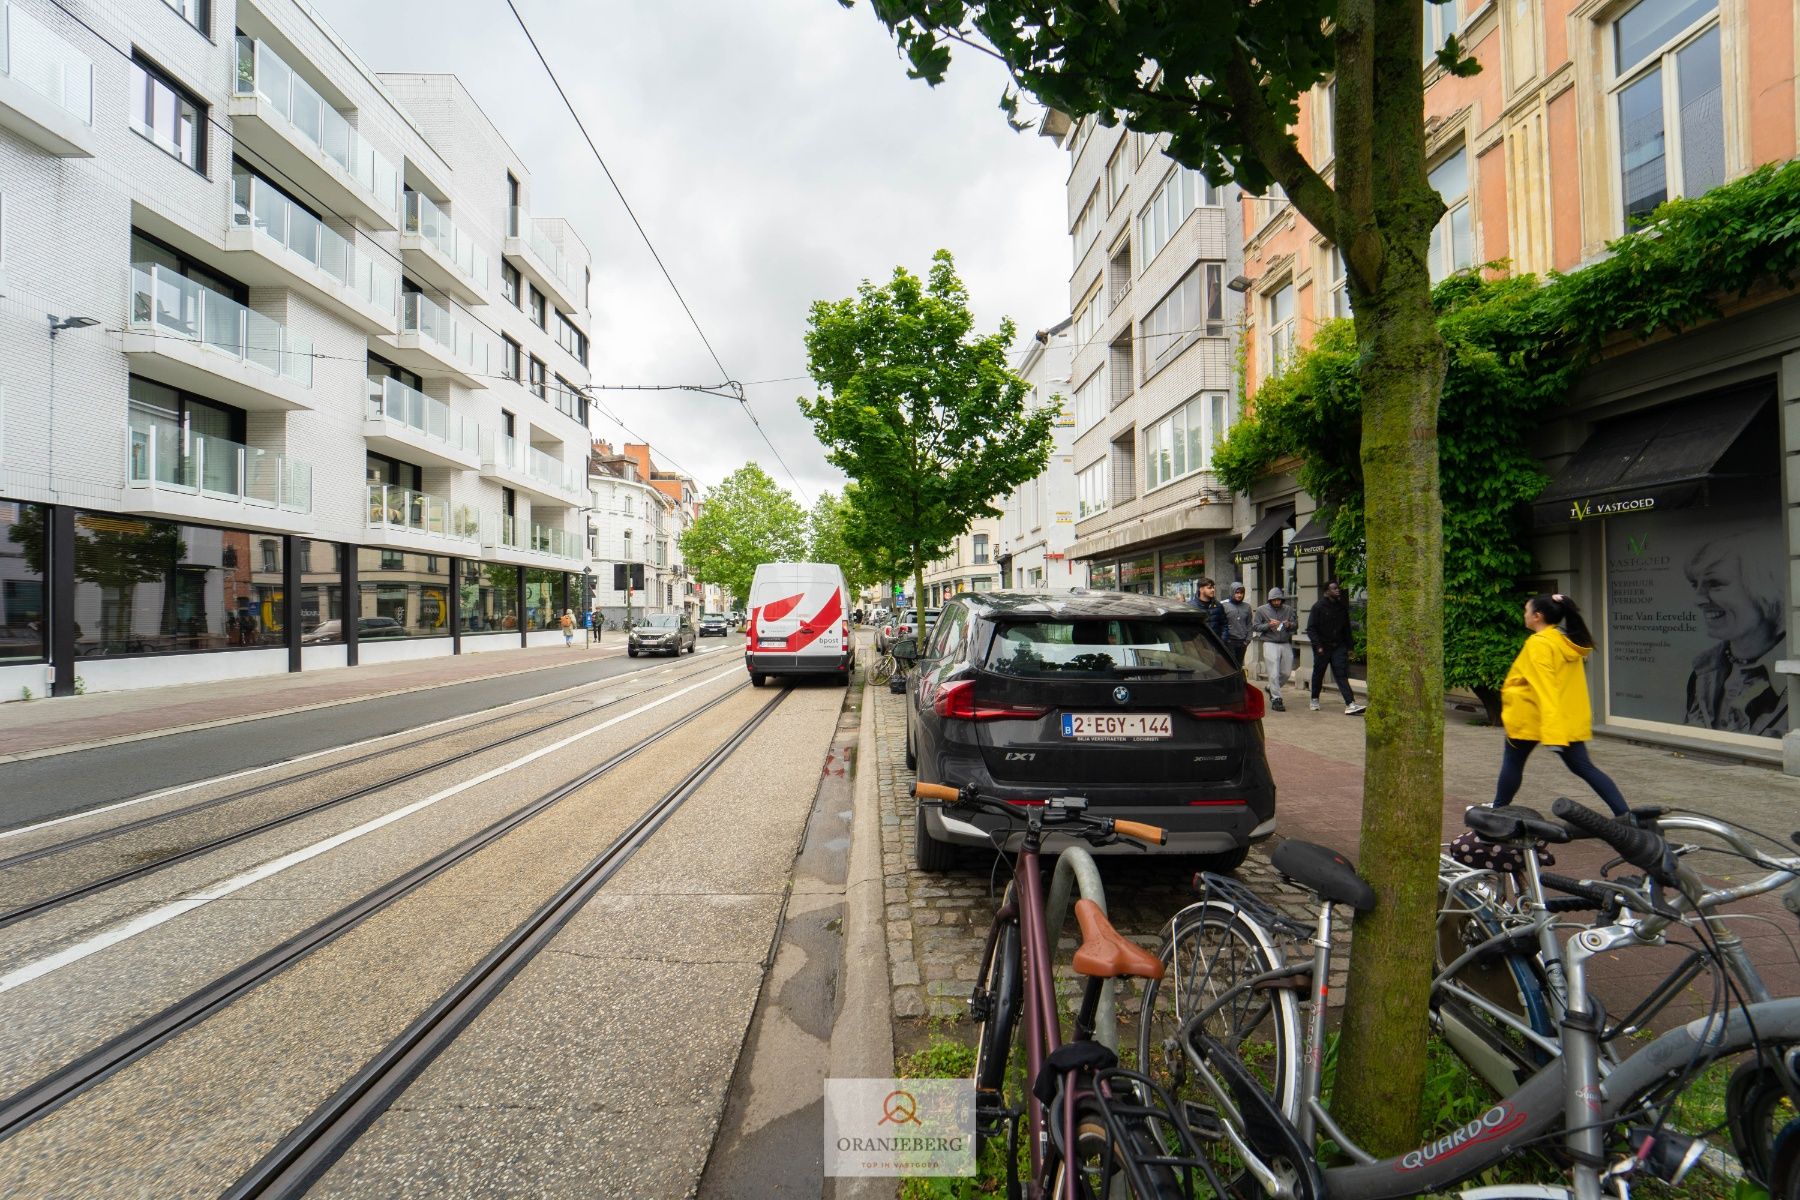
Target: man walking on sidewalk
[[1328, 629], [1274, 624], [1206, 599], [1238, 616]]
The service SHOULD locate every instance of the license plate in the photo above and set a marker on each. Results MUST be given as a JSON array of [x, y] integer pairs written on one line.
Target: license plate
[[1116, 726]]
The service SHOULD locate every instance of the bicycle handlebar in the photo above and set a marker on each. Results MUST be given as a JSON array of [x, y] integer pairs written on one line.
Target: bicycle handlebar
[[1646, 851], [1141, 831], [1099, 826]]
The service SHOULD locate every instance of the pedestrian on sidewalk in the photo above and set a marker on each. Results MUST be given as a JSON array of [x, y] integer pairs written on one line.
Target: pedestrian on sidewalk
[[1328, 629], [1545, 701], [1238, 616], [568, 626], [1274, 624], [1206, 599]]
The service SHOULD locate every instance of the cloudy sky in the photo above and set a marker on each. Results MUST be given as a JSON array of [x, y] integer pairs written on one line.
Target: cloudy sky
[[776, 154]]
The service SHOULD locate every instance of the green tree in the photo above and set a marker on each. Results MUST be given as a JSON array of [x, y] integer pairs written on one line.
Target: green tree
[[923, 414], [1223, 79], [828, 528], [748, 519]]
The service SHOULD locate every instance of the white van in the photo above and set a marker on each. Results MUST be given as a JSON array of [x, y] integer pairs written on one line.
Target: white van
[[799, 624]]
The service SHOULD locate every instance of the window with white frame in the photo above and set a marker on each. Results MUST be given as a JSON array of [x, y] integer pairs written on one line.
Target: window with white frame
[[1278, 312], [1452, 241], [1182, 442], [1092, 490], [1087, 319], [1325, 117], [1669, 103], [1118, 171], [1440, 23], [1269, 205], [1179, 194], [1090, 401], [1196, 305], [192, 11], [1087, 224]]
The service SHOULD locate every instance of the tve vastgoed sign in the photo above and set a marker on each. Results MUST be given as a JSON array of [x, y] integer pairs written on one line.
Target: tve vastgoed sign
[[890, 1127]]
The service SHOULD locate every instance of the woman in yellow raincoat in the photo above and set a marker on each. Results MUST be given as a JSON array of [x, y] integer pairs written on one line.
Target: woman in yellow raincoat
[[1545, 700]]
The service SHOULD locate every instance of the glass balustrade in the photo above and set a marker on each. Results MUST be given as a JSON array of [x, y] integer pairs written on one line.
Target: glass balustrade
[[401, 508], [508, 453], [426, 219], [46, 64], [258, 205], [171, 305], [424, 316], [520, 225], [517, 534], [261, 72], [165, 457], [391, 400]]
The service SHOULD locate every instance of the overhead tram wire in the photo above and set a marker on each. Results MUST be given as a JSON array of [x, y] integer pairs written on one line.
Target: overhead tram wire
[[651, 246]]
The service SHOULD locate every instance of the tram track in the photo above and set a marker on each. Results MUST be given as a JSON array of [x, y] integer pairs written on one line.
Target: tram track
[[38, 907], [42, 1097]]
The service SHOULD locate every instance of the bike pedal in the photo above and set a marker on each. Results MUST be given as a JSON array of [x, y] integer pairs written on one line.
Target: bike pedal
[[1202, 1122]]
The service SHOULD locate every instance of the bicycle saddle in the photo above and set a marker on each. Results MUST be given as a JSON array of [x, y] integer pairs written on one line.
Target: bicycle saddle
[[1104, 954], [1325, 873], [1514, 823]]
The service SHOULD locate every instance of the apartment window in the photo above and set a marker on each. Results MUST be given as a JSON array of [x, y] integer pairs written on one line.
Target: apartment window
[[509, 284], [1087, 224], [1118, 275], [1268, 206], [1325, 117], [1452, 242], [1123, 470], [1440, 23], [1278, 309], [1118, 171], [1087, 319], [512, 205], [1090, 402], [539, 378], [194, 12], [1196, 305], [1666, 84], [165, 113], [1337, 284], [510, 357], [1118, 358], [1182, 442], [981, 550], [571, 338], [1091, 490], [1178, 195]]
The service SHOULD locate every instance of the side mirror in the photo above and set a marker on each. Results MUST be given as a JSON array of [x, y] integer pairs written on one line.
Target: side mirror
[[906, 649]]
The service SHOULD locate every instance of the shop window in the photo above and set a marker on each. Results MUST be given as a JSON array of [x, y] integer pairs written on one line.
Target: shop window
[[401, 596], [321, 592]]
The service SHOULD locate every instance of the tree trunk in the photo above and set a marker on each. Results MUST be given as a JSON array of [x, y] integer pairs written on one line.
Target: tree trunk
[[1381, 1065]]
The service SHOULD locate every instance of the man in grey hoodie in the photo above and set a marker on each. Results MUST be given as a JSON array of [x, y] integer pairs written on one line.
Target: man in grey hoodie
[[1238, 616], [1274, 623]]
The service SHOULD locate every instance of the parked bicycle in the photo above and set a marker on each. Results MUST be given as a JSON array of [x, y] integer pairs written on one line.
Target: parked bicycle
[[1251, 1093], [1094, 1129]]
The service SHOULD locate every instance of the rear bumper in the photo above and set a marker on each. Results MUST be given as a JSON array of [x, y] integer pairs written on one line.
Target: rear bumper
[[797, 664]]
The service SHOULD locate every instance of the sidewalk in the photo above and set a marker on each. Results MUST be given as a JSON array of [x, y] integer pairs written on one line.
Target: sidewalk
[[32, 728]]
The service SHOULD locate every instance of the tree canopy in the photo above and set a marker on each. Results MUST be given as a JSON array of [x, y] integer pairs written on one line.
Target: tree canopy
[[921, 412], [748, 519], [828, 539]]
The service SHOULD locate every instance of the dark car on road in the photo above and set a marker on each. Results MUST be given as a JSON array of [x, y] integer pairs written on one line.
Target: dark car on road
[[714, 625], [662, 633], [1130, 701]]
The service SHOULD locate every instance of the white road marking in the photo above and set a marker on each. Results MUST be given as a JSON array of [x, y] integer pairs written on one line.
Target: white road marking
[[300, 758], [186, 904]]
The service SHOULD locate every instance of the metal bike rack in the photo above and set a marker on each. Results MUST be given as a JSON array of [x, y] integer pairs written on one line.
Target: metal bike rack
[[1075, 869]]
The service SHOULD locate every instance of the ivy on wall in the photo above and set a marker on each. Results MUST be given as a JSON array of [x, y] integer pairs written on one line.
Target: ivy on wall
[[1517, 345]]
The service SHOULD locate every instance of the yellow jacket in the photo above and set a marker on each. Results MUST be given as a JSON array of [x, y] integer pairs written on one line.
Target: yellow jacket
[[1545, 696]]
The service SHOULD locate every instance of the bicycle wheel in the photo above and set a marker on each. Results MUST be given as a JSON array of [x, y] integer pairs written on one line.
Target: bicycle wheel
[[1215, 947], [882, 671], [994, 1005], [1757, 1112], [1510, 982]]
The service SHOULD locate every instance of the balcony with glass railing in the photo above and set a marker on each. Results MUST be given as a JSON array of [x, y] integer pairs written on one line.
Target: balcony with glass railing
[[410, 425], [297, 246], [440, 253], [46, 86], [285, 119], [193, 476], [538, 256], [527, 468], [405, 516], [503, 533], [183, 333], [437, 344]]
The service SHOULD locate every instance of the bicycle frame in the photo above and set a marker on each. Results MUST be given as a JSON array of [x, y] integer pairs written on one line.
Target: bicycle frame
[[1043, 1026]]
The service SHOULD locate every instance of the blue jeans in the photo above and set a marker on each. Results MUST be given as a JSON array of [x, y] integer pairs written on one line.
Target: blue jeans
[[1574, 756]]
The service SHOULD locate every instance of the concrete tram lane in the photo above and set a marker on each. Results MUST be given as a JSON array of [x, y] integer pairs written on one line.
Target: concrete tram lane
[[193, 1115], [61, 1015], [604, 1068]]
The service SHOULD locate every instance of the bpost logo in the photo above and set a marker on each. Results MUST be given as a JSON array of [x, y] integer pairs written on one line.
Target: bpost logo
[[1587, 510], [895, 1127]]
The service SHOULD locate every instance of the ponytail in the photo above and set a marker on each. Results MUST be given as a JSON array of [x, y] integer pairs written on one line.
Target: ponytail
[[1558, 609]]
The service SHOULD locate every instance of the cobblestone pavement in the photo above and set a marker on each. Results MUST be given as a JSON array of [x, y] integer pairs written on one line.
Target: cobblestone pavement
[[937, 924]]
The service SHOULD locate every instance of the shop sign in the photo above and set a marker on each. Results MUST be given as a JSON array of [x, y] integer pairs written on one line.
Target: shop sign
[[1065, 517], [1184, 563], [1589, 510]]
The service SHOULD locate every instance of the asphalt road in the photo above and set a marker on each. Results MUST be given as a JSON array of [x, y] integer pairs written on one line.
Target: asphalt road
[[40, 789]]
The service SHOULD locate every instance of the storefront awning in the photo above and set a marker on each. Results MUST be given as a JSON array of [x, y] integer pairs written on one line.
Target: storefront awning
[[1262, 533], [1313, 538], [1663, 458]]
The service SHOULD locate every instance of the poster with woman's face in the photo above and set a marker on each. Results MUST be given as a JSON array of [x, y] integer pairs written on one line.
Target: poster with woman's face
[[1697, 617]]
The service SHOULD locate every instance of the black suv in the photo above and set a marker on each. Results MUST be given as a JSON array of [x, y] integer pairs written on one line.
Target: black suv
[[1130, 701], [714, 625]]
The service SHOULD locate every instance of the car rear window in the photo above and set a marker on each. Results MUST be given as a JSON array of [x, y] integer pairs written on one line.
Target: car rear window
[[1106, 648]]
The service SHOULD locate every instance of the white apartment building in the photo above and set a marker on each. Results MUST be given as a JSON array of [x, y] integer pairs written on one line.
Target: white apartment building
[[1037, 525], [1155, 327], [637, 516], [289, 374]]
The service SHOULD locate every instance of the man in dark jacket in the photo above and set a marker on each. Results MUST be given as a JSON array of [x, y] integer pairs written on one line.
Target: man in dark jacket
[[1328, 629], [1237, 623], [1206, 599]]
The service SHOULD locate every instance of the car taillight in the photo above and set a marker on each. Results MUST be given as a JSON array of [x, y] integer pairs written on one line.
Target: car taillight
[[887, 631], [957, 701], [1253, 708]]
